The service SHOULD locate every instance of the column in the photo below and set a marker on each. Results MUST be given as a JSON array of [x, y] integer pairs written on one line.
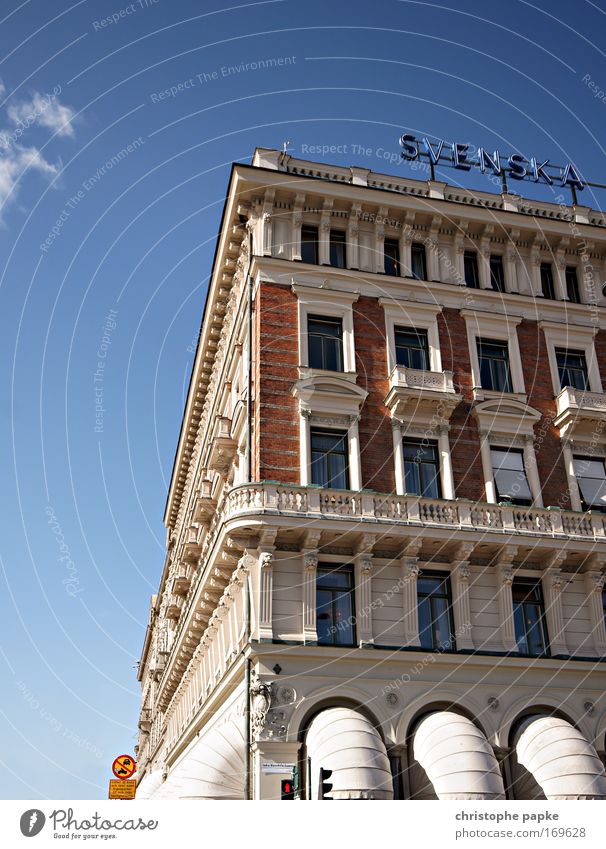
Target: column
[[530, 464], [459, 577], [505, 580], [263, 589], [484, 264], [433, 259], [297, 221], [379, 246], [304, 447], [410, 573], [353, 230], [559, 277], [573, 487], [510, 270], [594, 586], [446, 476], [363, 598], [535, 273], [353, 438], [459, 251], [324, 233], [491, 495], [553, 583], [310, 568], [398, 453], [406, 252]]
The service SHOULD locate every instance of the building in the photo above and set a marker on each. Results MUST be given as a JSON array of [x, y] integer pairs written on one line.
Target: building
[[386, 537]]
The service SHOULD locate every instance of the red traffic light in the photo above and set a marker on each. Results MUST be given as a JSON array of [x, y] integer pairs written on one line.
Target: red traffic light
[[287, 789]]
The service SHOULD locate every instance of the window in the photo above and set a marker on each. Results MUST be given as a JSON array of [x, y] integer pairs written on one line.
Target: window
[[337, 248], [412, 348], [591, 478], [436, 630], [470, 269], [547, 281], [391, 251], [572, 368], [493, 359], [421, 468], [329, 462], [309, 245], [510, 479], [497, 274], [572, 285], [529, 617], [325, 343], [418, 262], [334, 606]]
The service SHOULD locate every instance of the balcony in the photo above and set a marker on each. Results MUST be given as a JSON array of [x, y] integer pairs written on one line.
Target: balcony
[[145, 720], [182, 579], [205, 503], [192, 547], [222, 446], [420, 393], [174, 606], [580, 412]]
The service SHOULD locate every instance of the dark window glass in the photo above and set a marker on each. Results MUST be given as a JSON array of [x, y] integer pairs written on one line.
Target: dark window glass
[[497, 274], [470, 266], [572, 368], [434, 602], [334, 606], [572, 285], [493, 359], [337, 248], [325, 341], [509, 475], [421, 468], [547, 281], [309, 245], [412, 348], [529, 617], [417, 261], [329, 465], [604, 605], [391, 251], [591, 478]]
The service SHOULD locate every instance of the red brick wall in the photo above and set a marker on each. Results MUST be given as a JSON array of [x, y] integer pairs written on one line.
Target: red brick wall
[[376, 440], [463, 435], [277, 358], [539, 390]]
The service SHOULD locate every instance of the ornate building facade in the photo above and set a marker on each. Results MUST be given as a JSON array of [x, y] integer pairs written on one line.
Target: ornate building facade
[[386, 537]]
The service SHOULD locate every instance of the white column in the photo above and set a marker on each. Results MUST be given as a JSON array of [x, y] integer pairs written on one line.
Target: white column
[[410, 573], [297, 222], [505, 580], [484, 264], [305, 447], [459, 251], [573, 486], [267, 233], [433, 258], [310, 569], [398, 454], [363, 598], [405, 253], [324, 239], [594, 585], [264, 590], [489, 486], [353, 231], [446, 476], [461, 606], [530, 464], [559, 277], [511, 273], [535, 273], [355, 472], [553, 582], [379, 240]]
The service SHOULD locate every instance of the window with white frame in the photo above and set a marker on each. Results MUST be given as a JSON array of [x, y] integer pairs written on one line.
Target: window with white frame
[[564, 340], [412, 335], [590, 473], [327, 305], [572, 368], [329, 458], [325, 342], [498, 331], [509, 473]]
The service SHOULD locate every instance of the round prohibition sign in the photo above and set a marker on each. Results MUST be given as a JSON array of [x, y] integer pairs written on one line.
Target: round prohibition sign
[[123, 767]]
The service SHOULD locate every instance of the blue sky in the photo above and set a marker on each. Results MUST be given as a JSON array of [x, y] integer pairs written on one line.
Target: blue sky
[[110, 196]]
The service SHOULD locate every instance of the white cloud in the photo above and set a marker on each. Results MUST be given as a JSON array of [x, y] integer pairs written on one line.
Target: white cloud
[[45, 110], [2, 88], [14, 160]]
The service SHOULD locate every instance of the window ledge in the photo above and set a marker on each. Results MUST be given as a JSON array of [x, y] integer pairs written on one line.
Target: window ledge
[[480, 394]]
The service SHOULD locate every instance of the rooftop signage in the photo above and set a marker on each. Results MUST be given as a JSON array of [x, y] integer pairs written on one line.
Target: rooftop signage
[[513, 165]]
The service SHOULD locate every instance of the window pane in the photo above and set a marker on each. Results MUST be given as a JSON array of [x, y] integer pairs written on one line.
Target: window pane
[[425, 629], [470, 265], [337, 248], [572, 285], [412, 348], [343, 617], [419, 270], [392, 257], [593, 491], [329, 465], [325, 343], [520, 629], [572, 368], [441, 622], [547, 281], [512, 460], [497, 276], [324, 620], [309, 245], [534, 629]]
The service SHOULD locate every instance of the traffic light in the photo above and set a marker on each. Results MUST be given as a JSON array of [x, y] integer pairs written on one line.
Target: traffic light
[[325, 785], [287, 789]]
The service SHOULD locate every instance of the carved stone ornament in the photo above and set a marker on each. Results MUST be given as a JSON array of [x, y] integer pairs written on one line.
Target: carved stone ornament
[[311, 562], [260, 694], [266, 560]]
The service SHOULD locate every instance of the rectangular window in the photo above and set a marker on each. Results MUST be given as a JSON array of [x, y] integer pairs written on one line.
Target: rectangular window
[[509, 475], [547, 281], [572, 285], [309, 245], [421, 468], [434, 603], [418, 262], [493, 359], [335, 606], [470, 267], [591, 478], [329, 459], [325, 343], [572, 368], [337, 248], [529, 617], [412, 348], [497, 273], [391, 252]]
